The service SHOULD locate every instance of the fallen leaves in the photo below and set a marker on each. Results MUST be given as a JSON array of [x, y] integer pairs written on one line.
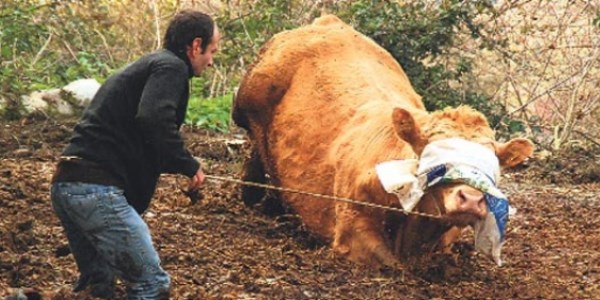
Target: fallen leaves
[[220, 249]]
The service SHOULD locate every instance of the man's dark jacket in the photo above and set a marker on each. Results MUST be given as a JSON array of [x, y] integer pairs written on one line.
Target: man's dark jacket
[[131, 127]]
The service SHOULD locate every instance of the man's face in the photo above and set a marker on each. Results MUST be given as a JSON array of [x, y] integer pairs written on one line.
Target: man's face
[[201, 60]]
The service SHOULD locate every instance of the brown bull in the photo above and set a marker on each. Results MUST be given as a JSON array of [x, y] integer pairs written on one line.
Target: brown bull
[[323, 105]]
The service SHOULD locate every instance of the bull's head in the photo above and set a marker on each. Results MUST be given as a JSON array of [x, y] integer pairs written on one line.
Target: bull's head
[[457, 203], [459, 164]]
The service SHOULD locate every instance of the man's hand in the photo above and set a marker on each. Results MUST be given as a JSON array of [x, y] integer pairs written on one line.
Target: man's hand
[[197, 180], [193, 191]]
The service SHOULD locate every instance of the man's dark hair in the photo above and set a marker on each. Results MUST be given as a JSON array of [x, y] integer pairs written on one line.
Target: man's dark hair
[[185, 27]]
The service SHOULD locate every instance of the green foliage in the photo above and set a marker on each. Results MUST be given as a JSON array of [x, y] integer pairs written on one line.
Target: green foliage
[[249, 24], [32, 36], [211, 114], [252, 24], [88, 65], [415, 33], [17, 36], [48, 44]]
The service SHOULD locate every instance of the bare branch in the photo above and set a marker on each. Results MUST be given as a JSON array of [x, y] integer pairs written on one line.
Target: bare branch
[[106, 46], [155, 11], [535, 98], [587, 137], [39, 53], [570, 120]]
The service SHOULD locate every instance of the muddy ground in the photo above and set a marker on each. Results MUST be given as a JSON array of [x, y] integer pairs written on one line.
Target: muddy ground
[[220, 249]]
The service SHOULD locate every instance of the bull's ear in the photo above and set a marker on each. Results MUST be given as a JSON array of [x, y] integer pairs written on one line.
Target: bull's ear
[[406, 128], [514, 151]]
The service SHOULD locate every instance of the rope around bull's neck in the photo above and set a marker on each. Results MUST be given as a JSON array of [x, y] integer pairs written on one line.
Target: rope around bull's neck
[[346, 200]]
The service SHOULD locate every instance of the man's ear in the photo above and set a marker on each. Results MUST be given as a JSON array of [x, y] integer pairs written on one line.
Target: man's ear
[[407, 129], [195, 48], [514, 151]]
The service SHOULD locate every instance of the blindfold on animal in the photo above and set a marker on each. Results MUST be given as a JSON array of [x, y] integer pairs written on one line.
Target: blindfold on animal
[[451, 161]]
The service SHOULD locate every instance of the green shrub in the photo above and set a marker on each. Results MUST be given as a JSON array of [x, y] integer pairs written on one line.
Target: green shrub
[[43, 46], [47, 45], [415, 33], [247, 25], [213, 114]]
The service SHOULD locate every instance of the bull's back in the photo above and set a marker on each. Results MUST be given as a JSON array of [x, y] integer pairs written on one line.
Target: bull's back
[[307, 84]]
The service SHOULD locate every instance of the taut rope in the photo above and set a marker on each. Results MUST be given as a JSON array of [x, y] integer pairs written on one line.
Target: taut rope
[[346, 200]]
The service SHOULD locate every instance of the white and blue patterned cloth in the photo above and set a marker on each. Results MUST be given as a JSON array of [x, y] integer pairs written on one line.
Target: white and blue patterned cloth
[[453, 160]]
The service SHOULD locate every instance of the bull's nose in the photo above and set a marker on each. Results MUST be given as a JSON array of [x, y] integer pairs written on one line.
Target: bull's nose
[[471, 200]]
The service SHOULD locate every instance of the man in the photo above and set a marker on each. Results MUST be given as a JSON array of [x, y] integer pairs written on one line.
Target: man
[[126, 138]]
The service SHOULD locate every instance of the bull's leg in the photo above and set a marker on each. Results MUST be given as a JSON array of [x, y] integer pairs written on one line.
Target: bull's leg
[[254, 171], [448, 239], [360, 238], [418, 236]]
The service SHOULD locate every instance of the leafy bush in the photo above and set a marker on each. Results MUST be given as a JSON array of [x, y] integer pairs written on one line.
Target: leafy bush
[[247, 25], [17, 36], [48, 45], [415, 33], [35, 52], [212, 113]]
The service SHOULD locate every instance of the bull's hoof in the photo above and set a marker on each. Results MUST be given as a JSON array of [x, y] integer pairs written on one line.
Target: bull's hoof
[[252, 195], [272, 206], [385, 258]]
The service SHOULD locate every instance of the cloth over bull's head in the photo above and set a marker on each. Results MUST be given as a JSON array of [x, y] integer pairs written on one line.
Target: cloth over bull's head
[[465, 174]]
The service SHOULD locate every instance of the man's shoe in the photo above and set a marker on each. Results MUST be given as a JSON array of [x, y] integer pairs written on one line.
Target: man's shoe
[[100, 288]]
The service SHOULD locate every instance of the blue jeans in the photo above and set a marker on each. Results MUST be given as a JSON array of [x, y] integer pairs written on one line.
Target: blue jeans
[[108, 238]]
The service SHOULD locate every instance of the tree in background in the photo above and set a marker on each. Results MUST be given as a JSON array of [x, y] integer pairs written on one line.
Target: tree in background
[[492, 55], [46, 44], [548, 73], [416, 33], [68, 40]]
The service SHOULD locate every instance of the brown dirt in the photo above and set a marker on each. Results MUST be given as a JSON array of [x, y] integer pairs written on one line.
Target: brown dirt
[[220, 249]]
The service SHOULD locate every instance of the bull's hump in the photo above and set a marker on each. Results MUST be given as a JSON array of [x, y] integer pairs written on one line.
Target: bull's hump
[[327, 20]]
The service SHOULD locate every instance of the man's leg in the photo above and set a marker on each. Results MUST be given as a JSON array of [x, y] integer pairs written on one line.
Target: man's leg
[[117, 236], [127, 244], [95, 271]]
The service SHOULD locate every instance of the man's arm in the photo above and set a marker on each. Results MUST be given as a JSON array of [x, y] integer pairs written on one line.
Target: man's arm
[[157, 118]]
